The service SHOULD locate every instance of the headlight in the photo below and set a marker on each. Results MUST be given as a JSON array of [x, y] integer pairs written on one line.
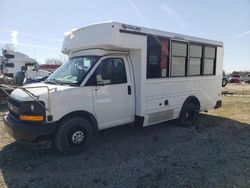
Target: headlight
[[13, 108]]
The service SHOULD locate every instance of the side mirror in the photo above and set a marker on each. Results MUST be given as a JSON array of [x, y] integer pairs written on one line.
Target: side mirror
[[99, 80], [19, 78]]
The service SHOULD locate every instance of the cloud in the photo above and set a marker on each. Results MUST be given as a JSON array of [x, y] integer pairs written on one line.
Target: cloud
[[174, 15], [14, 35], [31, 45], [241, 35]]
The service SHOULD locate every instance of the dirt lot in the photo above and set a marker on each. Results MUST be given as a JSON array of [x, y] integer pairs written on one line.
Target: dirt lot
[[215, 152]]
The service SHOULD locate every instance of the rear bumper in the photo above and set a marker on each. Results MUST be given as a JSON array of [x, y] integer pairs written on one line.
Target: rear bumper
[[218, 104], [27, 131]]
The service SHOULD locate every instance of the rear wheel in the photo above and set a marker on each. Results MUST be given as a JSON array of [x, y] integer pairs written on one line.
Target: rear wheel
[[188, 114], [74, 135]]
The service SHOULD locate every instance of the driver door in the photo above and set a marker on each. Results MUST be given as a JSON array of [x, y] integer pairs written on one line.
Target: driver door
[[112, 92]]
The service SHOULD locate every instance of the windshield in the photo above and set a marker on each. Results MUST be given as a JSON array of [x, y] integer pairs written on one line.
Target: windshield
[[73, 71]]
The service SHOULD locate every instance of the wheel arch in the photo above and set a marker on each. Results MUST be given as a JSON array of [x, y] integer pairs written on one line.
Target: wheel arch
[[194, 100], [84, 114]]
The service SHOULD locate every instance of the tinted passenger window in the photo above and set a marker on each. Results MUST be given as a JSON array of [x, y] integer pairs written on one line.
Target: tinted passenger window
[[110, 71], [158, 57]]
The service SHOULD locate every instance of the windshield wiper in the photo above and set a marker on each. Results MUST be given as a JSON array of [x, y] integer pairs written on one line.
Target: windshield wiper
[[73, 84], [54, 81]]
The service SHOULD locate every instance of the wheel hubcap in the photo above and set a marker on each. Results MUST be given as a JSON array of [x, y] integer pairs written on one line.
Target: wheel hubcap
[[77, 137]]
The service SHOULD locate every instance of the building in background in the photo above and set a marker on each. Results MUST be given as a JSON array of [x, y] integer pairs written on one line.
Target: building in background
[[49, 67]]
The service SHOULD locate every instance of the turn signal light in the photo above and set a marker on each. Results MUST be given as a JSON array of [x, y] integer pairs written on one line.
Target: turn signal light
[[31, 118]]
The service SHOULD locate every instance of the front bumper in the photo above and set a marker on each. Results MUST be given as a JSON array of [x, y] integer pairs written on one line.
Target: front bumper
[[27, 131]]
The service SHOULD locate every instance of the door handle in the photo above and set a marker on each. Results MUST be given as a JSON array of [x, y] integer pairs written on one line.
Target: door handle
[[129, 90]]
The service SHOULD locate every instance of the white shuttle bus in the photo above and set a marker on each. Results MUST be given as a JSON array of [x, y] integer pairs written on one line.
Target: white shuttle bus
[[117, 74], [21, 62]]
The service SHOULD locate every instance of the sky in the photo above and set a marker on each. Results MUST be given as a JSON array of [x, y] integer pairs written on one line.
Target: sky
[[37, 27]]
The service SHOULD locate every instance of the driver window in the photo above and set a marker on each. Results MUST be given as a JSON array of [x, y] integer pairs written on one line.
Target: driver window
[[110, 71], [105, 71]]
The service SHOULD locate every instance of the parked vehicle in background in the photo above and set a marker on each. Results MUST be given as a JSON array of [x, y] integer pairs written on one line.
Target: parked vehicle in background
[[235, 79], [33, 73], [118, 74], [247, 79], [14, 62], [18, 62]]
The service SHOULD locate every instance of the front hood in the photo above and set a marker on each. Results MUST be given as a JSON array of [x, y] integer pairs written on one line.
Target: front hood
[[37, 89], [60, 100]]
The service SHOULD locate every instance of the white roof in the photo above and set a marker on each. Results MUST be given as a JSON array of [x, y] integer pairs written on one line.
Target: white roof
[[107, 35], [20, 57]]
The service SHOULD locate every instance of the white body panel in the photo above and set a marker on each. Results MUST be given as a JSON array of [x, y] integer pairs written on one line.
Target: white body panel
[[63, 99], [176, 92], [110, 104]]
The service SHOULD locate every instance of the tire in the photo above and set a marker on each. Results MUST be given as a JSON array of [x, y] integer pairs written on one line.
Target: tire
[[74, 135], [188, 114], [224, 82]]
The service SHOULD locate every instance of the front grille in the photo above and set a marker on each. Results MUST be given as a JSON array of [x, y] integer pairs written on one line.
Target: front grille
[[14, 102], [14, 107]]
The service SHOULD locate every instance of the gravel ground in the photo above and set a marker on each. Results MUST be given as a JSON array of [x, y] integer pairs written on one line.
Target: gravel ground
[[215, 152], [164, 155]]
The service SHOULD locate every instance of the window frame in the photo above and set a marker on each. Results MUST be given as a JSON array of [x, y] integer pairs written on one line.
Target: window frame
[[160, 38], [186, 58], [203, 60], [93, 75]]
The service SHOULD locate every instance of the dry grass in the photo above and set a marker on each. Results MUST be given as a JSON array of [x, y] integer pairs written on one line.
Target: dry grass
[[239, 89], [234, 107]]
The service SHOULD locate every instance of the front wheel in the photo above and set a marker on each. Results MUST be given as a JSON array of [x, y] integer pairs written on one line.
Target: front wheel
[[188, 114], [74, 135]]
